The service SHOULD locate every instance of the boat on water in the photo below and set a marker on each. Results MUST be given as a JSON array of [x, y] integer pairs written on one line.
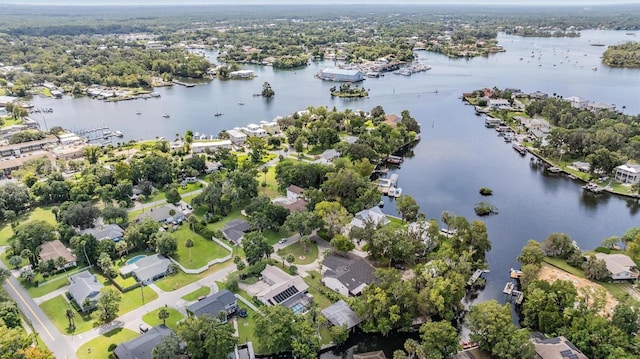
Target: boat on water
[[595, 68], [166, 115], [592, 187], [118, 133], [520, 148], [240, 103], [218, 114], [394, 192], [554, 170], [138, 113]]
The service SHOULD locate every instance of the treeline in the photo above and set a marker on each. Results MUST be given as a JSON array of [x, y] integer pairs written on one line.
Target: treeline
[[605, 138], [623, 55]]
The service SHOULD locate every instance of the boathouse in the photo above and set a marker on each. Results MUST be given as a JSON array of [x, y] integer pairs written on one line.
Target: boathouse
[[336, 74]]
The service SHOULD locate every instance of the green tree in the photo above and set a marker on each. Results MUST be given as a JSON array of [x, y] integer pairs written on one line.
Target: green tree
[[438, 340], [15, 261], [206, 337], [267, 91], [140, 234], [342, 244], [626, 318], [407, 207], [558, 245], [92, 154], [108, 305], [12, 341], [256, 247], [531, 253], [70, 314], [166, 244], [173, 196], [334, 216], [30, 235], [303, 222], [493, 329], [164, 314], [595, 269], [168, 348], [189, 244], [80, 215], [546, 303]]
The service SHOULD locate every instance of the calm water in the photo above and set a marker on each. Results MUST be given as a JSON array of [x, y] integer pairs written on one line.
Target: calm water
[[457, 154]]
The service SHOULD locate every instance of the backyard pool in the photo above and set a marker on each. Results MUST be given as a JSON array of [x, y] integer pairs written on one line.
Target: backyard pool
[[135, 259]]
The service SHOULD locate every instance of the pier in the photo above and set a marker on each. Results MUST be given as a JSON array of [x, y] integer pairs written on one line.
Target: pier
[[513, 295], [477, 274], [183, 83]]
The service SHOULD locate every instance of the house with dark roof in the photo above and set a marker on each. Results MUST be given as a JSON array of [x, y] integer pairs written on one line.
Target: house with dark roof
[[370, 355], [234, 230], [108, 231], [163, 214], [147, 269], [340, 314], [53, 250], [142, 347], [85, 286], [223, 301], [556, 348], [347, 275]]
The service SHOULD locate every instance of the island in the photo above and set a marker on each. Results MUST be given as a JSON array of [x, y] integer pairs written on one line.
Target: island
[[623, 55]]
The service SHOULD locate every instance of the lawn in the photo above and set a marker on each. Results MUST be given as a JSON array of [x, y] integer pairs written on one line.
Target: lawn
[[152, 319], [190, 187], [245, 328], [314, 283], [197, 293], [98, 347], [203, 250], [40, 213], [271, 190], [52, 283], [55, 309], [133, 299], [235, 214], [180, 279], [396, 220], [298, 252]]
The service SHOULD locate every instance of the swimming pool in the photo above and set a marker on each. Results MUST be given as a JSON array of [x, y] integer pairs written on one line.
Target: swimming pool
[[135, 259], [298, 308]]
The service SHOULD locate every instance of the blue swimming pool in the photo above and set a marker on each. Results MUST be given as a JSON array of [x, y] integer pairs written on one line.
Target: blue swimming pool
[[135, 259], [298, 308]]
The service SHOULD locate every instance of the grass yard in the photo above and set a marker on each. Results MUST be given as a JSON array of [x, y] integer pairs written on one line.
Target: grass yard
[[152, 319], [245, 328], [40, 213], [203, 250], [190, 187], [180, 279], [197, 293], [52, 283], [396, 220], [98, 347], [133, 299], [235, 214], [301, 257], [271, 190], [55, 309], [314, 283]]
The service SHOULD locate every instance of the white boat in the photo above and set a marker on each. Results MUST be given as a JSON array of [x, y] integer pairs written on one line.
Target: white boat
[[138, 113], [166, 115], [395, 192], [240, 103], [118, 133]]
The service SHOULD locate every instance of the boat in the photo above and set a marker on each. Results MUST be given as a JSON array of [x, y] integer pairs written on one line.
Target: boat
[[240, 103], [592, 187], [118, 133], [394, 159], [554, 170], [166, 115], [520, 148], [217, 114], [595, 68], [394, 192], [138, 113]]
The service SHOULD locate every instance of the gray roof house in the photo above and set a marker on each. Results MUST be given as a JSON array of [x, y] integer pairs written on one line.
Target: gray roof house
[[339, 314], [82, 286], [234, 231], [373, 214], [142, 347], [347, 275], [162, 214], [108, 231], [147, 269], [619, 265], [214, 304], [556, 348]]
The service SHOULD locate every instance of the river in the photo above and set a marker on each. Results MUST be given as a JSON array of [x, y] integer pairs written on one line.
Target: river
[[457, 154]]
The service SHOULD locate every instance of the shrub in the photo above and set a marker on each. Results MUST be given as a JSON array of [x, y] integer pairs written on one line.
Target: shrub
[[485, 191], [112, 347], [293, 270], [485, 209], [603, 250]]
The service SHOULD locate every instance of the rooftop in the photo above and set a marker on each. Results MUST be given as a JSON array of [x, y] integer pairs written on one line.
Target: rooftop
[[339, 314], [352, 271], [213, 304], [556, 348], [107, 231], [54, 249], [142, 346]]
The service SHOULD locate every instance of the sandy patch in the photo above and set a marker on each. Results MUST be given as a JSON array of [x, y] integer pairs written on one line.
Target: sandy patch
[[552, 274]]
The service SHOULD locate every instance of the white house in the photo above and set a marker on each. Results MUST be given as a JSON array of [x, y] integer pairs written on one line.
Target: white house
[[577, 102], [628, 173], [271, 127], [498, 103], [241, 74], [294, 193], [253, 130], [373, 214], [237, 137], [621, 266], [202, 146]]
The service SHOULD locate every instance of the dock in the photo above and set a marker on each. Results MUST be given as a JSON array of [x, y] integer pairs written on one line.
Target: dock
[[394, 159], [513, 295], [477, 274], [522, 150], [183, 83], [592, 187]]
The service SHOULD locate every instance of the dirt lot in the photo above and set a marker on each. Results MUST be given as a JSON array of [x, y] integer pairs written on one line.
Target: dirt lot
[[551, 274]]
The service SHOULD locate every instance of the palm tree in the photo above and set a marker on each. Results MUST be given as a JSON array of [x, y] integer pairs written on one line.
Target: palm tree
[[265, 170], [60, 262], [70, 314], [163, 314], [189, 244]]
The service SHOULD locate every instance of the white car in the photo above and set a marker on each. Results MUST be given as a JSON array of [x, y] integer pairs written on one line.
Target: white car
[[283, 240]]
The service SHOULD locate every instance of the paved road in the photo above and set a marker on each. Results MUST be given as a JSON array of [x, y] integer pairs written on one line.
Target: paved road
[[55, 341]]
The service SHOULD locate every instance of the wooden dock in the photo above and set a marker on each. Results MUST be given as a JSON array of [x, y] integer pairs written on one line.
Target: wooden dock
[[477, 274], [185, 84], [513, 295]]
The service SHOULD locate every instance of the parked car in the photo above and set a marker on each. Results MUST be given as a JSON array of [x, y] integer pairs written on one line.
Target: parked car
[[283, 240], [143, 328]]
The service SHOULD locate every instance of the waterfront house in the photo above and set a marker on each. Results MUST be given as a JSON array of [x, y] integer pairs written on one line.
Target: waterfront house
[[599, 106], [84, 287], [19, 149], [142, 347], [577, 102], [253, 130], [342, 75], [340, 314], [147, 269], [284, 289], [556, 348], [347, 275], [106, 231], [237, 138], [222, 301], [538, 95], [373, 214], [53, 250], [581, 166], [203, 146], [234, 230], [628, 173], [241, 74], [4, 100], [498, 104], [271, 127], [620, 266]]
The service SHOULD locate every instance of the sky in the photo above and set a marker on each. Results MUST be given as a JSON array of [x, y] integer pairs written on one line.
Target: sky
[[319, 2]]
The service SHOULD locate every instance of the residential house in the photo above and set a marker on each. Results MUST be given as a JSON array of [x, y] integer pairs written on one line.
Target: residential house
[[106, 231], [347, 275], [577, 102], [599, 106], [392, 120], [628, 173], [142, 347], [498, 104], [253, 130], [69, 152], [582, 166], [340, 314], [294, 193], [53, 250], [538, 95], [19, 149], [370, 355], [222, 301], [284, 289], [147, 269], [85, 286], [203, 146], [373, 214], [163, 214], [271, 127], [237, 138], [556, 348], [234, 230], [621, 266]]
